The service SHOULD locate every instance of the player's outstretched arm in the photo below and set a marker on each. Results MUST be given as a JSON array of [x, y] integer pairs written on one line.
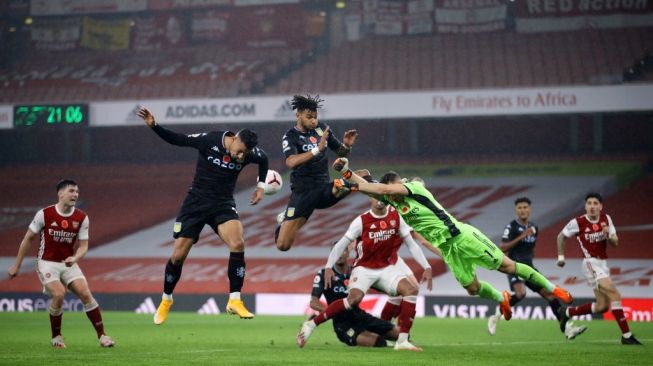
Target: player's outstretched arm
[[342, 165], [195, 140], [22, 252]]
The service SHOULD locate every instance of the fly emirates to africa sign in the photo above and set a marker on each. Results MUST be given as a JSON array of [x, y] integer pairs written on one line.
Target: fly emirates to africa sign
[[419, 104]]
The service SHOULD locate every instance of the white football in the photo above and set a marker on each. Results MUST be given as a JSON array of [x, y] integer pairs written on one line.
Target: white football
[[273, 182]]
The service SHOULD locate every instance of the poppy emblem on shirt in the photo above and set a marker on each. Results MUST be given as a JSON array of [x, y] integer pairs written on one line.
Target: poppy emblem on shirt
[[383, 225], [226, 158], [48, 275], [313, 139], [404, 209], [64, 224], [595, 227], [346, 282]]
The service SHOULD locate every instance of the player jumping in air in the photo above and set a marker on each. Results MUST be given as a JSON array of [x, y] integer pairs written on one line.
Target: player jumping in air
[[462, 246], [210, 201], [61, 226], [304, 147], [380, 232], [518, 242], [594, 232]]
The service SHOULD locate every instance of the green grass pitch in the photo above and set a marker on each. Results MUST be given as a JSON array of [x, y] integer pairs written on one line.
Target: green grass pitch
[[191, 339]]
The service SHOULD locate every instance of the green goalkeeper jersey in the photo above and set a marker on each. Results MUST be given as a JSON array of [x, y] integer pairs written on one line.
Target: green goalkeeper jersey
[[424, 214]]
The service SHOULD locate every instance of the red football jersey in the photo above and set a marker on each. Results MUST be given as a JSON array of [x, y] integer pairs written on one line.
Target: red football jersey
[[378, 239], [593, 241], [59, 232]]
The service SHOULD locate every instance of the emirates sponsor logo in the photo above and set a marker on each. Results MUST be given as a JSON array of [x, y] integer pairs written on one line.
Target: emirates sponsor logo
[[595, 237], [62, 236], [381, 235]]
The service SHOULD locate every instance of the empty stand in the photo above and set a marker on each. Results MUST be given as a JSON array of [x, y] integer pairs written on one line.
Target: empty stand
[[471, 61], [188, 72]]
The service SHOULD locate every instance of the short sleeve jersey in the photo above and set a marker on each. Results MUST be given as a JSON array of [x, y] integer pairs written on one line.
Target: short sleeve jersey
[[590, 235], [377, 238], [59, 232]]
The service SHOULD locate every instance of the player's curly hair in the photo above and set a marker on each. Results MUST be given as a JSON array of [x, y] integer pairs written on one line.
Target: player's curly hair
[[300, 102], [248, 137], [65, 183], [523, 200]]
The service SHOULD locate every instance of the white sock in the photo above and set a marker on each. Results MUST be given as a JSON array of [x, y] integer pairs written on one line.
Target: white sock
[[346, 303], [166, 296], [394, 300], [234, 296], [627, 335], [403, 337]]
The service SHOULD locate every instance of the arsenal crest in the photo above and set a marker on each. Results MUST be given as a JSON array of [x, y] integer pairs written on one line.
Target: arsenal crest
[[75, 224]]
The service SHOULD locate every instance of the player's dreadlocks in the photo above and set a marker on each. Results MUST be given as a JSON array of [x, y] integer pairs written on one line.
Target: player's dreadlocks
[[300, 102]]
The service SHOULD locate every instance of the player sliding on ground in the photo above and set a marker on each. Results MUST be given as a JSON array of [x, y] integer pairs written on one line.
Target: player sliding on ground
[[354, 327], [381, 232], [463, 247]]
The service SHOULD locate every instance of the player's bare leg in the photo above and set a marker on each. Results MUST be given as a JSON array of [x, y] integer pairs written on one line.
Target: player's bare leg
[[57, 291], [607, 296], [231, 232], [288, 231], [408, 292], [80, 288], [172, 274]]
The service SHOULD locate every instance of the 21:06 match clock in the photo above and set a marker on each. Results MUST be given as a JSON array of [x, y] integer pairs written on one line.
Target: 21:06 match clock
[[51, 115]]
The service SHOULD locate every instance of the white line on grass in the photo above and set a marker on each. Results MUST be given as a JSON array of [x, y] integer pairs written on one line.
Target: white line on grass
[[466, 344]]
